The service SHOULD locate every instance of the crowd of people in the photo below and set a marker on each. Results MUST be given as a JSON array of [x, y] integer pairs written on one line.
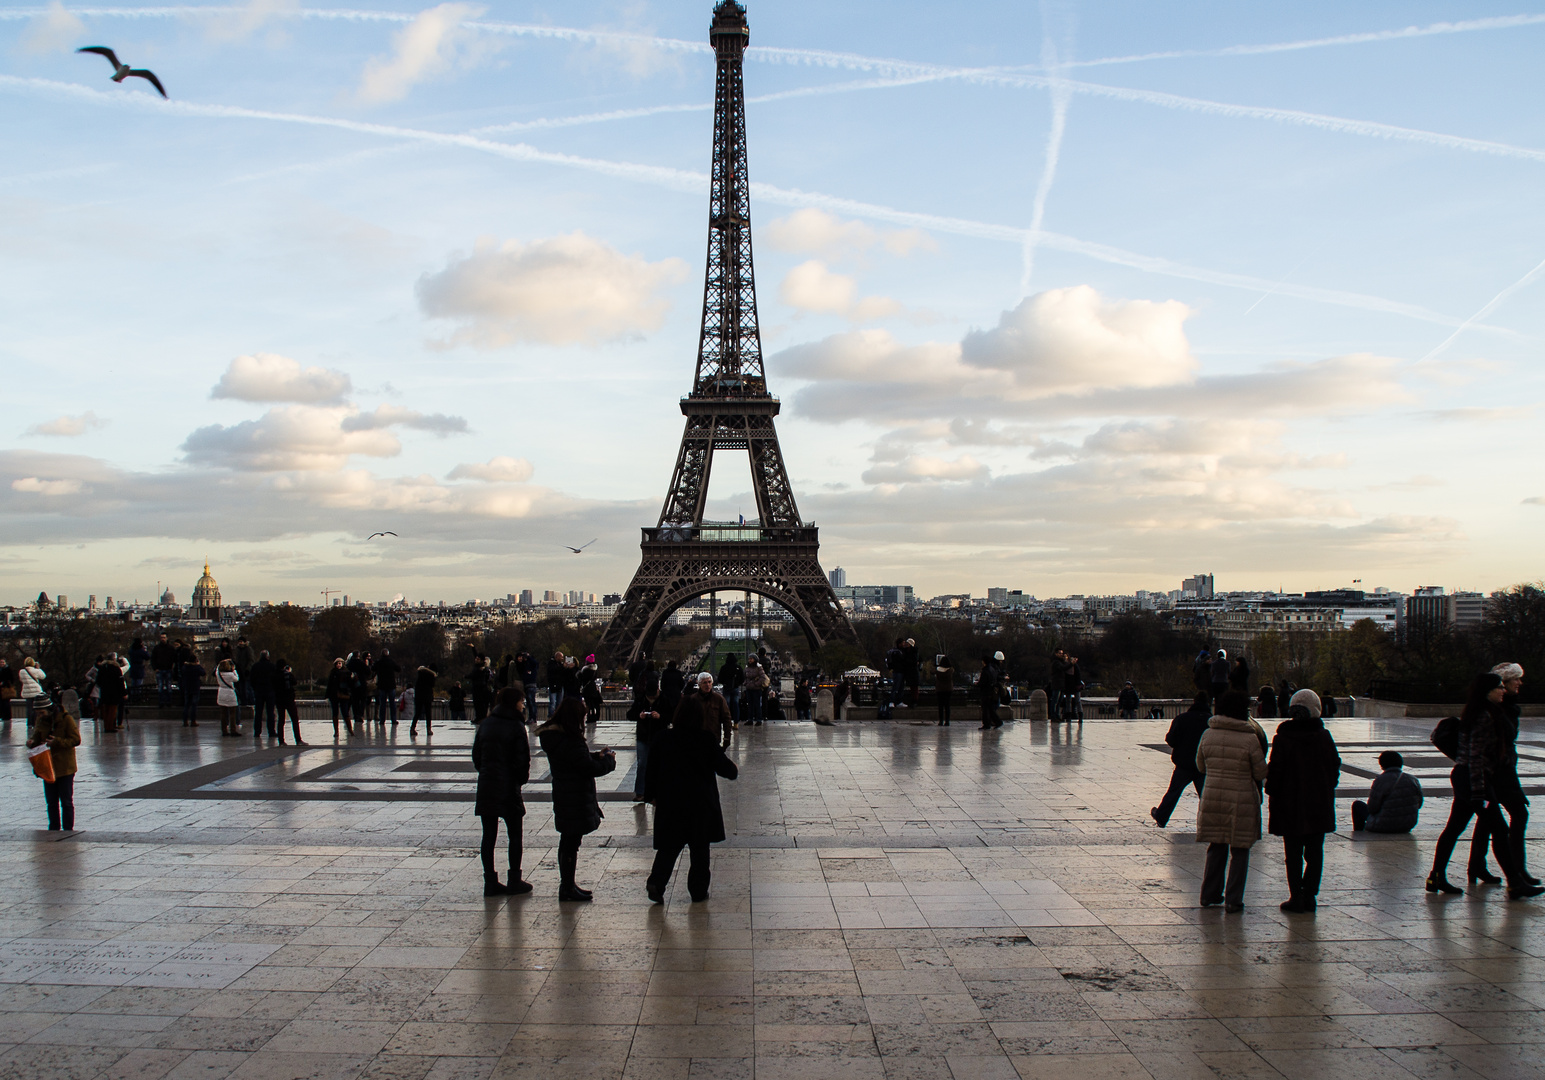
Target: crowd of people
[[1223, 751]]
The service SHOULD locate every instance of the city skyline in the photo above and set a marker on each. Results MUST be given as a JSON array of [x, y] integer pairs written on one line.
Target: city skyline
[[1079, 306]]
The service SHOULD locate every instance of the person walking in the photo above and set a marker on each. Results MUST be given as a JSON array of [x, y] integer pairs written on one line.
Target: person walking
[[423, 700], [1394, 800], [163, 659], [284, 698], [53, 726], [338, 694], [1228, 821], [651, 714], [1301, 779], [226, 681], [263, 677], [386, 670], [1478, 760], [1510, 792], [574, 767], [943, 687], [190, 677], [501, 754], [683, 782], [1184, 735], [753, 699], [112, 693], [1128, 702]]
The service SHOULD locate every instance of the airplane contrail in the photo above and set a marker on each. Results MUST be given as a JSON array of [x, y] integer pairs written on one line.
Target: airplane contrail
[[926, 71], [696, 183], [1490, 306], [1061, 95]]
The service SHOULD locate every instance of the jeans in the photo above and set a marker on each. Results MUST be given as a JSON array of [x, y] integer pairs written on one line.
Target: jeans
[[698, 875], [164, 689], [490, 839], [530, 701], [1179, 780], [1305, 863], [385, 697], [60, 797], [1511, 795], [1237, 859], [898, 687], [339, 710], [1488, 825], [642, 750], [733, 697], [751, 707]]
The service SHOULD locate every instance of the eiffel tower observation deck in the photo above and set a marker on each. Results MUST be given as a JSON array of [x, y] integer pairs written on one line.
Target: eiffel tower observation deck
[[729, 408]]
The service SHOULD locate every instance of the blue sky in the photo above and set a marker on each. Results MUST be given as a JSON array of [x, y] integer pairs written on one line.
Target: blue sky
[[1068, 298]]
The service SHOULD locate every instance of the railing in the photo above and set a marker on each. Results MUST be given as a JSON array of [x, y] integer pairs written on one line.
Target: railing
[[732, 532]]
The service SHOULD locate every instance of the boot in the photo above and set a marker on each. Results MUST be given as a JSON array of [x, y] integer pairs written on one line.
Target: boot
[[492, 887], [573, 893], [516, 886]]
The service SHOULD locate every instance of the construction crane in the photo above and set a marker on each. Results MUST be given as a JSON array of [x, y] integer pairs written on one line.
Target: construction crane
[[327, 595]]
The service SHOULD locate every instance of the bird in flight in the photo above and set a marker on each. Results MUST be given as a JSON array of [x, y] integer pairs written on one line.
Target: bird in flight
[[123, 71], [582, 547], [372, 536]]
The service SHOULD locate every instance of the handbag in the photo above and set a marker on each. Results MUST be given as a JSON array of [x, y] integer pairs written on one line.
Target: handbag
[[42, 760]]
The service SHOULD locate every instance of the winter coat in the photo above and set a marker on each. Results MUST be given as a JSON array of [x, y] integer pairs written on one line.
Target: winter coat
[[163, 657], [359, 675], [110, 683], [802, 699], [29, 680], [191, 676], [1230, 756], [59, 725], [987, 686], [731, 676], [337, 690], [707, 712], [502, 756], [284, 687], [1239, 676], [554, 675], [1218, 671], [1266, 704], [1185, 732], [386, 674], [757, 683], [574, 769], [261, 678], [1128, 699], [1394, 802], [139, 656], [1483, 750], [1301, 777], [644, 730], [244, 659], [943, 680], [480, 684], [225, 692], [684, 766], [424, 684]]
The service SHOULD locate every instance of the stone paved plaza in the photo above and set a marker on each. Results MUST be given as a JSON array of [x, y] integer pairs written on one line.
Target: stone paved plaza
[[896, 900]]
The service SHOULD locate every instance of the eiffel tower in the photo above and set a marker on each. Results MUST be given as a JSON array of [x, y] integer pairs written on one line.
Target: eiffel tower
[[729, 408]]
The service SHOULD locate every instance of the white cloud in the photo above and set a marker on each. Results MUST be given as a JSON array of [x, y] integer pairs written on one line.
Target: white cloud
[[32, 485], [293, 437], [924, 468], [385, 416], [243, 20], [54, 30], [816, 232], [560, 291], [68, 426], [810, 286], [499, 470], [432, 44], [269, 377]]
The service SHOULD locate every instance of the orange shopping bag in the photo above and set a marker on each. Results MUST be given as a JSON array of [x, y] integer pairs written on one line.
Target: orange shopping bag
[[42, 763]]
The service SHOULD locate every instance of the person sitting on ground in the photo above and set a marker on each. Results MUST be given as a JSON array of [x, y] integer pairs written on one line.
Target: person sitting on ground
[[1394, 801]]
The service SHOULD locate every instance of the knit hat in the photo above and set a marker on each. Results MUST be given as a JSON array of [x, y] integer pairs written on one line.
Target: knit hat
[[1309, 700], [1508, 671], [997, 656]]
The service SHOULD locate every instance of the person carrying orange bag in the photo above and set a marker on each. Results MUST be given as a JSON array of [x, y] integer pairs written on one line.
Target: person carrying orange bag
[[59, 732]]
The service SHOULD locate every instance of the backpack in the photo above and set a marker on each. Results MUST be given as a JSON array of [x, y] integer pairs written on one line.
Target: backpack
[[1446, 737]]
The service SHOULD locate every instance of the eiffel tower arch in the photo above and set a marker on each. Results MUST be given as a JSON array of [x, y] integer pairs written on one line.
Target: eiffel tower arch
[[729, 408]]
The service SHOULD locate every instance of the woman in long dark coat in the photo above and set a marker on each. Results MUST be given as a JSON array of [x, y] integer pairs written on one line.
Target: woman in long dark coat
[[684, 766], [576, 810], [502, 757], [1301, 780], [651, 714]]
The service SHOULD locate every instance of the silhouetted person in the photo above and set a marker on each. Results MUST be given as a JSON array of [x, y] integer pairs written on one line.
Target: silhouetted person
[[502, 756], [263, 675], [1394, 801], [1301, 780], [684, 766], [576, 810], [1185, 732]]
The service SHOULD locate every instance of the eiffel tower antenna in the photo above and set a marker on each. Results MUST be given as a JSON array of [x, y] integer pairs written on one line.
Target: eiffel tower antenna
[[729, 408]]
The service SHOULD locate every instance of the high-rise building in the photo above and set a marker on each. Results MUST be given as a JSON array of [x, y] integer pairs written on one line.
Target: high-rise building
[[551, 597], [526, 598], [63, 603], [1465, 610], [91, 602], [1427, 609], [1199, 586], [997, 596], [838, 577]]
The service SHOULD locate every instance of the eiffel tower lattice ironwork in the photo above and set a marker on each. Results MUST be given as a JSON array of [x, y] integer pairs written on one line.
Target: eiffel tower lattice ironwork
[[729, 408]]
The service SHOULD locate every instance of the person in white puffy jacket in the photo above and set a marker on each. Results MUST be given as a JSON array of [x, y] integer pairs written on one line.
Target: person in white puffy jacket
[[29, 684], [226, 679]]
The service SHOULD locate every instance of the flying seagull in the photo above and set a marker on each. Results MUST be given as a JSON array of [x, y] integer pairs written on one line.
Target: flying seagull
[[582, 547], [372, 536], [123, 71]]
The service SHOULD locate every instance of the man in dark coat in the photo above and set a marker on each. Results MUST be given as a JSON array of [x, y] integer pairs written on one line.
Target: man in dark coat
[[706, 710], [423, 700], [1185, 732], [386, 687], [244, 658], [1301, 780], [113, 690], [359, 686], [502, 756], [163, 659], [1217, 672], [672, 681], [263, 674], [989, 687], [684, 765], [480, 682], [525, 664]]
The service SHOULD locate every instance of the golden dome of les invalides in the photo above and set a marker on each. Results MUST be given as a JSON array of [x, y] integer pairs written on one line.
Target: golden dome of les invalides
[[206, 598]]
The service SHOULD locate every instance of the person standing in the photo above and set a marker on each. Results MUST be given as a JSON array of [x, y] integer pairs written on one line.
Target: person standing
[[501, 755], [554, 682], [1510, 792], [683, 781], [731, 677], [456, 702], [706, 708], [1478, 761], [1301, 779], [139, 656], [1128, 702], [574, 767], [337, 692], [226, 681], [1228, 820], [359, 688], [525, 662], [1239, 676], [113, 692], [753, 690], [803, 698], [423, 700], [386, 686], [163, 659], [263, 677], [1218, 674], [911, 671], [672, 681], [943, 687], [284, 694], [989, 689], [590, 689], [30, 681], [245, 658], [480, 684], [8, 690], [1394, 800], [1266, 703], [54, 726], [651, 713], [1184, 735], [190, 677]]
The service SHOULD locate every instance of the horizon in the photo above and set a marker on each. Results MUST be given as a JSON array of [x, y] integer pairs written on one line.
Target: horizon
[[1074, 308]]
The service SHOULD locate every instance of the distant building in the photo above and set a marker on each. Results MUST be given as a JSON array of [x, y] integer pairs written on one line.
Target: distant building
[[1199, 586], [837, 576], [1427, 609], [997, 596], [1466, 610], [527, 599], [63, 603], [206, 598], [91, 602]]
